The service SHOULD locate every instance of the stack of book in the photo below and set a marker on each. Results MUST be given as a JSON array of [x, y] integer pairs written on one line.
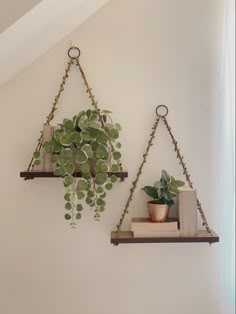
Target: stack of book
[[145, 228]]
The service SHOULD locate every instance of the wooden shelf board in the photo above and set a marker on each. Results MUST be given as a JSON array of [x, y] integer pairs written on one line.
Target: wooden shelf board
[[123, 237], [48, 174]]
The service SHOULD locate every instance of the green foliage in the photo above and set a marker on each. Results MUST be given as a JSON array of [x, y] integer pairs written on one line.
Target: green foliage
[[36, 157], [86, 144], [164, 190]]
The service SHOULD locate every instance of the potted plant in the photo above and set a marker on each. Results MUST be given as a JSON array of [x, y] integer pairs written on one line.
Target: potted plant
[[86, 144], [162, 193]]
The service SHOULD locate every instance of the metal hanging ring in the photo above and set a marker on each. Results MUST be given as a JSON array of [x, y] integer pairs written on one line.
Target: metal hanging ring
[[162, 107], [75, 51]]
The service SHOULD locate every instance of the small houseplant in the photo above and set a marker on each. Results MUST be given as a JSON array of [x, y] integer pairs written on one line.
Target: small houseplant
[[86, 144], [162, 193]]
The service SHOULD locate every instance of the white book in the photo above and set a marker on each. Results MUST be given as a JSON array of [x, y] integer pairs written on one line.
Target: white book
[[156, 234], [47, 165], [187, 207]]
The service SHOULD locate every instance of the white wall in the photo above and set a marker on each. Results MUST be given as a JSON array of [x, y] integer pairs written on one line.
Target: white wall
[[137, 54]]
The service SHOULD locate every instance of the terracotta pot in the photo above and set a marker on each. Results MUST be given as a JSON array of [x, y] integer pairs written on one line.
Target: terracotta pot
[[158, 212]]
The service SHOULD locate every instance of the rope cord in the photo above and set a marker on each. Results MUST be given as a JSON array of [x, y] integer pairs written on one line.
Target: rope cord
[[186, 173], [134, 184], [51, 114]]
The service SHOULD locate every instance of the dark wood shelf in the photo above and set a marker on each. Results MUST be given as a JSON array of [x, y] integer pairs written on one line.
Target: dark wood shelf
[[43, 174], [125, 237]]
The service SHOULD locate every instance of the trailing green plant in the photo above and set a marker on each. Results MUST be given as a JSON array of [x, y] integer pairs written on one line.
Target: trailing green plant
[[86, 144], [164, 190]]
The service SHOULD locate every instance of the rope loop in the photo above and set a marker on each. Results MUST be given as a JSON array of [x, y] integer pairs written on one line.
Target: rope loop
[[162, 108], [74, 53]]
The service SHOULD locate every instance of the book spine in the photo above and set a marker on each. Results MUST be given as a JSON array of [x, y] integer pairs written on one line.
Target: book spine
[[136, 226], [188, 213], [46, 158], [156, 234]]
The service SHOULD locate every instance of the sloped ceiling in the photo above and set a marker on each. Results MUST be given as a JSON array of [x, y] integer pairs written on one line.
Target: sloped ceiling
[[12, 10], [40, 29]]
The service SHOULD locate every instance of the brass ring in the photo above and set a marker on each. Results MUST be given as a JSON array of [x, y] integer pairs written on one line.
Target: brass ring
[[162, 115], [76, 50]]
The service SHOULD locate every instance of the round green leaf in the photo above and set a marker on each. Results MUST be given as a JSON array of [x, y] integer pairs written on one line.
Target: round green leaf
[[83, 123], [100, 178], [57, 147], [68, 124], [101, 166], [115, 168], [86, 176], [68, 206], [57, 172], [60, 172], [48, 148], [103, 195], [82, 185], [101, 152], [116, 155], [113, 178], [78, 216], [89, 201], [81, 157], [118, 126], [88, 150], [80, 195], [79, 207], [65, 156], [100, 202], [76, 138], [84, 168], [67, 153], [65, 139], [37, 162], [86, 136], [88, 113], [100, 190], [68, 180], [102, 137], [69, 168], [54, 159], [57, 135], [94, 125], [36, 154], [67, 197], [118, 145], [113, 133], [67, 216], [62, 160], [109, 186], [80, 115], [90, 194], [109, 126]]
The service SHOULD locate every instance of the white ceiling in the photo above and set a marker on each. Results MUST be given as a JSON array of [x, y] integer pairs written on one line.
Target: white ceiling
[[39, 30], [12, 10]]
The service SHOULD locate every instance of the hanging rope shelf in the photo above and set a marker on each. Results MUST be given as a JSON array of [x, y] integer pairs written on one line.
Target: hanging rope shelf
[[74, 55], [119, 236]]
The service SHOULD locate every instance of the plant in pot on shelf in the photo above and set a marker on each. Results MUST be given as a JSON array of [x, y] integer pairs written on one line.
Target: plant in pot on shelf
[[163, 193], [86, 144]]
